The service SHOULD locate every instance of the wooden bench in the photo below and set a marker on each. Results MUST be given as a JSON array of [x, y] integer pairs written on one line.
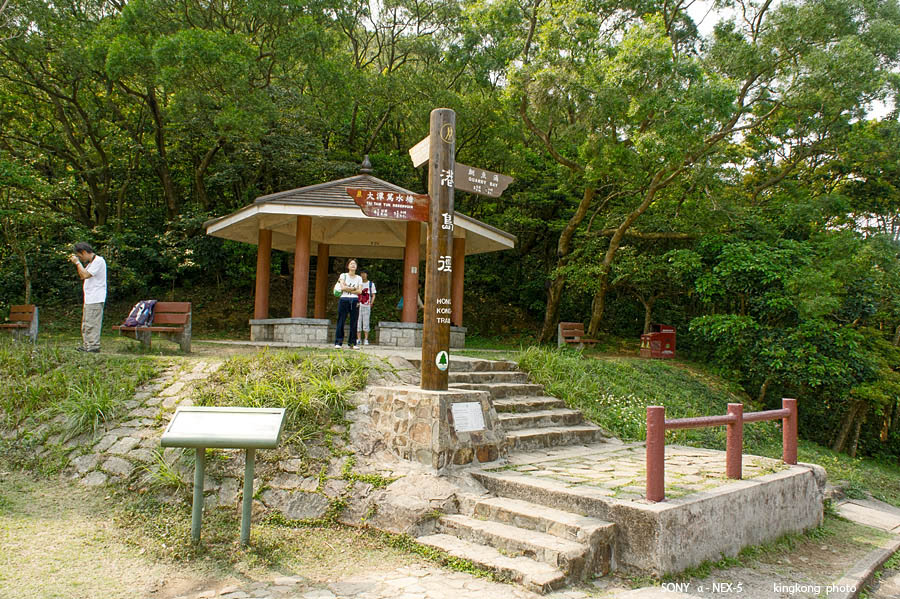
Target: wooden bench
[[171, 320], [23, 322], [572, 333]]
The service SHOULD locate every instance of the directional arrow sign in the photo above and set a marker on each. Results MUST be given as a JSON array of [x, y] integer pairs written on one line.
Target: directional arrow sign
[[419, 152], [479, 181], [391, 204]]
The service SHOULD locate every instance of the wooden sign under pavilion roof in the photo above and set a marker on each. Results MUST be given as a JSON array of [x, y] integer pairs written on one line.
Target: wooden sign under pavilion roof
[[338, 221]]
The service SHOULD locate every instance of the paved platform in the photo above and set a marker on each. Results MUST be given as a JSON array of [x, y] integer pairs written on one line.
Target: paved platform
[[619, 469]]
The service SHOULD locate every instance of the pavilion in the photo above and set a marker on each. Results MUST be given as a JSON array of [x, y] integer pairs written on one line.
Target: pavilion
[[323, 221]]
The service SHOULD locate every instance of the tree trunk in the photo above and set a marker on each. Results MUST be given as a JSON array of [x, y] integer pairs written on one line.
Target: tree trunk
[[563, 248], [200, 174], [551, 314], [162, 163], [840, 441], [886, 423], [615, 242], [648, 312], [761, 398], [897, 336], [860, 418]]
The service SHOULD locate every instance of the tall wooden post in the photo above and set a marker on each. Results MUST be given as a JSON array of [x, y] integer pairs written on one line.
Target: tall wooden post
[[439, 261], [459, 263], [300, 292], [263, 271], [411, 273], [321, 280]]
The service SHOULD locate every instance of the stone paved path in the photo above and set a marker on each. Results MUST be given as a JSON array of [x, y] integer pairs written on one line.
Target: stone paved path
[[407, 582], [134, 442], [618, 469]]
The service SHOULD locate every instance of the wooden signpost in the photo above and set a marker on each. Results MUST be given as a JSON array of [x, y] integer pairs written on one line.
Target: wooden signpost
[[444, 174]]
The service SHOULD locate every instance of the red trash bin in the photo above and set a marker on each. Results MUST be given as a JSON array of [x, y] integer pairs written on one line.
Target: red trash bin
[[659, 342]]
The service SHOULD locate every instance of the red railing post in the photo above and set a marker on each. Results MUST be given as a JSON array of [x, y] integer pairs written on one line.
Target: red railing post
[[656, 453], [734, 441], [789, 431]]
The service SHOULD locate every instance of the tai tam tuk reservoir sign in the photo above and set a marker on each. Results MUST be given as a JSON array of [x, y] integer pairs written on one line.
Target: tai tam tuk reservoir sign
[[391, 205]]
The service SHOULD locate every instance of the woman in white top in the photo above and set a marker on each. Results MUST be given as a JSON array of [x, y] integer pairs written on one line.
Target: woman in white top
[[350, 285]]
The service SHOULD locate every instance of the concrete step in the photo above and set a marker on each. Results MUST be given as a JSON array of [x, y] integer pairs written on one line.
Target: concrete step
[[569, 557], [501, 390], [488, 376], [466, 364], [534, 575], [519, 404], [598, 535], [533, 438], [546, 492], [540, 418]]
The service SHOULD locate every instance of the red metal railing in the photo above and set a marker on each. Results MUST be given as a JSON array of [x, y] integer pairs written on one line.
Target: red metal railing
[[657, 425]]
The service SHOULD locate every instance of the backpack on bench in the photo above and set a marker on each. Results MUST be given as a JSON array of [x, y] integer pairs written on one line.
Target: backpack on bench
[[141, 315]]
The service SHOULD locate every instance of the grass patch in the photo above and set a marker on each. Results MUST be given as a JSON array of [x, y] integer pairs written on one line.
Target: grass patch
[[51, 393], [615, 392], [313, 386], [865, 475]]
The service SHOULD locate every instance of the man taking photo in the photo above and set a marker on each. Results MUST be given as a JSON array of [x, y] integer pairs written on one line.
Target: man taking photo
[[91, 270]]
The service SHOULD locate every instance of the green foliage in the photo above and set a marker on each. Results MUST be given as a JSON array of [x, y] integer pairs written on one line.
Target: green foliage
[[313, 387], [614, 393], [38, 383]]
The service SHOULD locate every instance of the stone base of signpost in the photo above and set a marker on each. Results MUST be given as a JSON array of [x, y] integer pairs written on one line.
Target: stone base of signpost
[[409, 334], [299, 331], [417, 425]]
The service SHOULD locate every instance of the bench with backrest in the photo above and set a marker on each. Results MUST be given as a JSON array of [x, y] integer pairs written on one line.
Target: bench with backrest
[[572, 333], [171, 320], [22, 322]]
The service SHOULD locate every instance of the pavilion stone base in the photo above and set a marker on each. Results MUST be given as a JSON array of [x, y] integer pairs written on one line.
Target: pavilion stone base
[[300, 331], [409, 334], [418, 425]]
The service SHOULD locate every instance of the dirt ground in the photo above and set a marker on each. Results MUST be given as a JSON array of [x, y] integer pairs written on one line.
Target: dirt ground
[[60, 540], [82, 548]]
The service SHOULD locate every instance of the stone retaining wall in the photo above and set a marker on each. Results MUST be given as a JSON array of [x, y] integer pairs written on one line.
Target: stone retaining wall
[[409, 334], [301, 331], [417, 425]]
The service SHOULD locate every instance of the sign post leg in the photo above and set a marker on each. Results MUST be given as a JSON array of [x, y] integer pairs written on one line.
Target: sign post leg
[[199, 474], [249, 467]]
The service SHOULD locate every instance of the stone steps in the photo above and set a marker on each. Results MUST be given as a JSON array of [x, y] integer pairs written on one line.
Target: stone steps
[[534, 575], [527, 439], [489, 376], [546, 492], [501, 390], [512, 421], [518, 404], [567, 556], [598, 535], [522, 537], [465, 364]]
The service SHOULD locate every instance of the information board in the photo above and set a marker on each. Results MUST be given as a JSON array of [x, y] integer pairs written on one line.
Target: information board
[[467, 416], [193, 426]]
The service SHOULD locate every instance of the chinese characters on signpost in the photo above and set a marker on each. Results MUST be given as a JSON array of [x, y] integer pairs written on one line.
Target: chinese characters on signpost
[[444, 176], [480, 181], [392, 205]]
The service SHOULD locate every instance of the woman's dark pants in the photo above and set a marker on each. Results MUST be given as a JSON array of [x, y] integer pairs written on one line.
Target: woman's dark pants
[[347, 305]]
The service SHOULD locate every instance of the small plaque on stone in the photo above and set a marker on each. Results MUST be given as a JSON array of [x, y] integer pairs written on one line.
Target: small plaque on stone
[[467, 416]]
